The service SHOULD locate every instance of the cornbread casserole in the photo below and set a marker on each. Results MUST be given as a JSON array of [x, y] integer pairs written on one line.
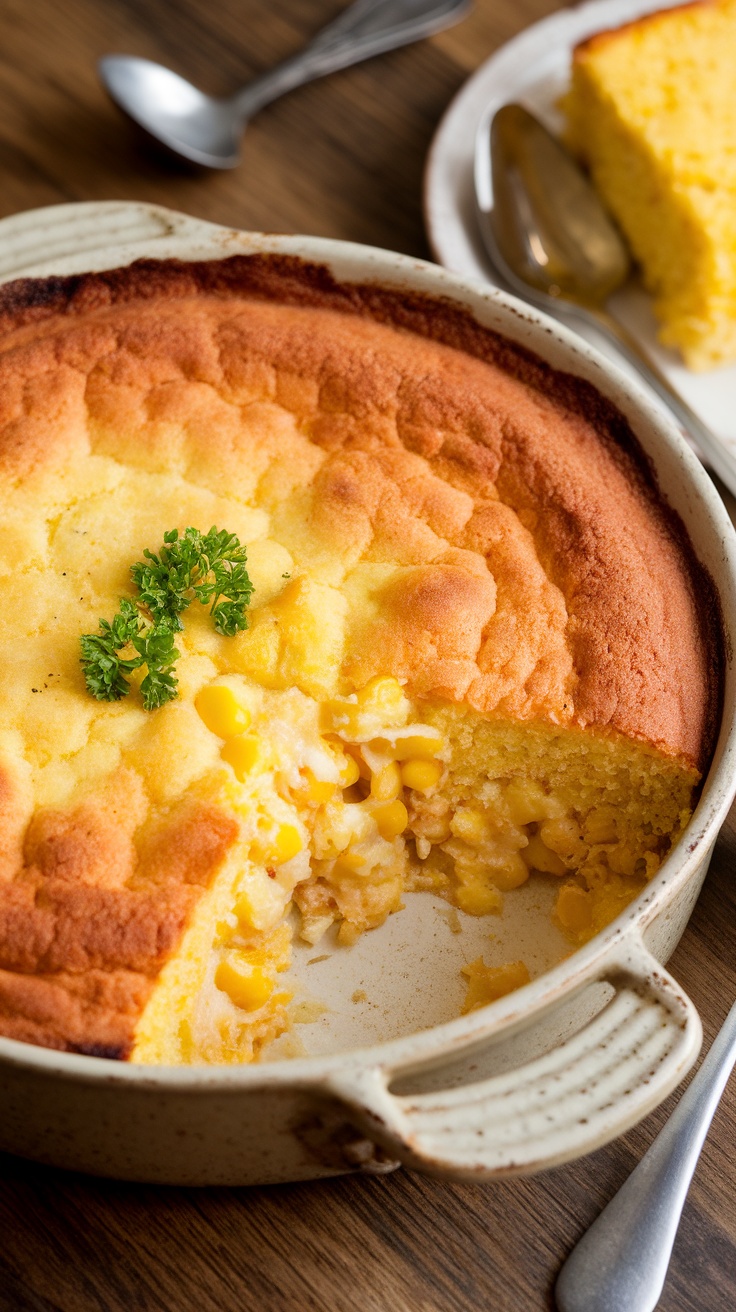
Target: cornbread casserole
[[480, 646], [651, 110]]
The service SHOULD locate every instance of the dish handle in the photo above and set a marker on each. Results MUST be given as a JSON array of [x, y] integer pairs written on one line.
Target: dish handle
[[558, 1106]]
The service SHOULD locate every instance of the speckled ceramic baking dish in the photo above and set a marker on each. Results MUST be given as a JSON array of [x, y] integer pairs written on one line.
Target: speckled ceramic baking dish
[[544, 1075]]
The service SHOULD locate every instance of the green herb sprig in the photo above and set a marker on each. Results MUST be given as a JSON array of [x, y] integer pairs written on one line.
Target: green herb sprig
[[209, 567]]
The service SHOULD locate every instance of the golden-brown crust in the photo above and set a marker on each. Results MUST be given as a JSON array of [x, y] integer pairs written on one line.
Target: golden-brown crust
[[535, 573], [599, 40]]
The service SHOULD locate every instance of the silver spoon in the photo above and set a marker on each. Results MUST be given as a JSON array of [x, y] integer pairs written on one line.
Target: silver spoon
[[621, 1262], [207, 130], [551, 240]]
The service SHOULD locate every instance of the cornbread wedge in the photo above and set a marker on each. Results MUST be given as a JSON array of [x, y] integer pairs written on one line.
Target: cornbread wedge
[[480, 648], [651, 111]]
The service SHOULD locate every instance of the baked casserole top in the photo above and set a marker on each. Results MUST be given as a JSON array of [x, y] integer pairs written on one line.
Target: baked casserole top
[[440, 505]]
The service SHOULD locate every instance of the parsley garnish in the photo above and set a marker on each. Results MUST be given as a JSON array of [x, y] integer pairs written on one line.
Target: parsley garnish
[[209, 567]]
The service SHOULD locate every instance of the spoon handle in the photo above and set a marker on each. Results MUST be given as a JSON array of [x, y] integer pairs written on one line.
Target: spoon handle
[[621, 1262], [366, 28], [717, 455]]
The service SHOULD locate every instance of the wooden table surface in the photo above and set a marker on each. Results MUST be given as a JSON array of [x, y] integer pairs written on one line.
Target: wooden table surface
[[341, 158]]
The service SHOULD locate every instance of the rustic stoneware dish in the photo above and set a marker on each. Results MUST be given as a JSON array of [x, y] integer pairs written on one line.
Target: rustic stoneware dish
[[593, 1043]]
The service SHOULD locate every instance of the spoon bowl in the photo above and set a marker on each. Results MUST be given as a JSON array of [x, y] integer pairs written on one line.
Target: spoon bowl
[[201, 128], [549, 225]]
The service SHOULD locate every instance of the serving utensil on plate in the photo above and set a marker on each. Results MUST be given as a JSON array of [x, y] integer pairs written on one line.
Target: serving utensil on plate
[[207, 130], [621, 1262], [553, 243]]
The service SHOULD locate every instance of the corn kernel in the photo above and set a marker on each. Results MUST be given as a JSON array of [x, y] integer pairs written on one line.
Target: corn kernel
[[221, 711], [244, 754], [349, 772], [527, 802], [573, 908], [563, 837], [317, 790], [287, 842], [348, 934], [511, 873], [421, 775], [470, 825], [341, 716], [279, 847], [386, 783], [408, 746], [478, 900], [224, 931], [386, 697], [539, 857], [487, 983], [391, 818], [349, 863], [623, 860], [246, 986], [244, 911]]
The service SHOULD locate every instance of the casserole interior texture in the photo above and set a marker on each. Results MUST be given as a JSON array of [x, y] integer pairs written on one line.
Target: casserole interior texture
[[480, 649]]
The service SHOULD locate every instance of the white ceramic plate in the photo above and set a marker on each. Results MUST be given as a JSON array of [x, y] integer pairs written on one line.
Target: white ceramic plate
[[534, 69]]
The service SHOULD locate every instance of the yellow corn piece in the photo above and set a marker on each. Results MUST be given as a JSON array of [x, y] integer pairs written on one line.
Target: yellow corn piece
[[422, 745], [527, 802], [221, 711], [244, 911], [347, 934], [342, 716], [478, 900], [349, 772], [224, 931], [384, 695], [247, 986], [287, 842], [391, 818], [470, 825], [421, 775], [317, 790], [573, 908], [511, 873], [244, 754], [539, 857], [487, 983], [354, 753], [563, 837], [279, 847], [349, 863], [386, 783]]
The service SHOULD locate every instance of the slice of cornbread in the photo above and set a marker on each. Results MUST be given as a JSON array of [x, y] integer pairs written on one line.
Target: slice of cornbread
[[651, 111], [480, 648]]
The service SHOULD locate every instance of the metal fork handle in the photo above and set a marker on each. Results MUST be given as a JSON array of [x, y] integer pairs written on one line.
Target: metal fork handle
[[621, 1262], [366, 28]]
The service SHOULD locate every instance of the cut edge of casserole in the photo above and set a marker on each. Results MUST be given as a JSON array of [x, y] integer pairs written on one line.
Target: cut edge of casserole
[[493, 803]]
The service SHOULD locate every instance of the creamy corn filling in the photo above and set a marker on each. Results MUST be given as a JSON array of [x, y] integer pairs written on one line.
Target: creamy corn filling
[[348, 802]]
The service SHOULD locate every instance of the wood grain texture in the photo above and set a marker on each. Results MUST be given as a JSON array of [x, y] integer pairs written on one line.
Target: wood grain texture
[[341, 158]]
